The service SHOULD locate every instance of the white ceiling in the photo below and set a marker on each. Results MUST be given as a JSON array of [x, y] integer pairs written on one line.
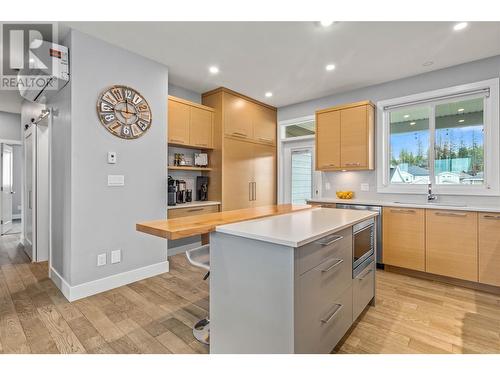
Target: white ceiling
[[289, 58]]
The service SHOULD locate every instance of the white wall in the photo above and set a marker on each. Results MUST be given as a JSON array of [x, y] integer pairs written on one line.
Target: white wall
[[455, 75], [90, 218], [10, 126]]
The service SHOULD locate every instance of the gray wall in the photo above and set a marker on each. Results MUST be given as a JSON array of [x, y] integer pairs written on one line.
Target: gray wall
[[96, 218], [10, 126], [183, 93], [455, 75]]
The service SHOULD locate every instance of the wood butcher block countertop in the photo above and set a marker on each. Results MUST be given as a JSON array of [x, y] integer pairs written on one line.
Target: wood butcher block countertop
[[174, 229]]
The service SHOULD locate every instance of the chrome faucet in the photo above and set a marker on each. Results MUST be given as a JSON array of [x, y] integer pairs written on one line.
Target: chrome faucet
[[430, 197]]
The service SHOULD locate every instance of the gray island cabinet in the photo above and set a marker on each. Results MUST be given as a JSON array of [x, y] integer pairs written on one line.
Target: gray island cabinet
[[285, 284]]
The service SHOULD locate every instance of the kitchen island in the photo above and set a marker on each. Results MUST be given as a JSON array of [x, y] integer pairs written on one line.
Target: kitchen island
[[286, 284]]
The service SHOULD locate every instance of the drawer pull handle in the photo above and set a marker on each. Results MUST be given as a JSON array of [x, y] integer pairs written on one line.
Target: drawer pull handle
[[239, 134], [265, 139], [450, 214], [329, 240], [332, 266], [403, 211], [357, 164], [338, 307], [202, 144], [492, 217], [195, 209], [365, 275]]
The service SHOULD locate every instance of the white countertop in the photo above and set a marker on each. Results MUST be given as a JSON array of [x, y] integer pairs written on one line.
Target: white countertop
[[193, 204], [389, 203], [298, 228]]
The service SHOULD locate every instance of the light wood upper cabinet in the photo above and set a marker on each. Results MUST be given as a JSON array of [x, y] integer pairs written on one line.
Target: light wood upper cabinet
[[238, 121], [201, 128], [404, 237], [264, 175], [489, 248], [345, 137], [178, 122], [190, 124], [264, 124], [328, 140], [452, 244]]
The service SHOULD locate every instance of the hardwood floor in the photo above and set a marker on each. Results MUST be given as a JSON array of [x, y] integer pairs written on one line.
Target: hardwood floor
[[156, 315]]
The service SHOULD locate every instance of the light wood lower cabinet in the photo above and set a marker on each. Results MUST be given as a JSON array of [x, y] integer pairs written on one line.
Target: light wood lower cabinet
[[192, 211], [404, 237], [452, 244], [489, 248]]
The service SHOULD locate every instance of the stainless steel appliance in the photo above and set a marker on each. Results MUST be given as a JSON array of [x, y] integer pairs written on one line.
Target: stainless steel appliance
[[363, 245], [181, 191], [378, 219], [172, 196], [201, 188]]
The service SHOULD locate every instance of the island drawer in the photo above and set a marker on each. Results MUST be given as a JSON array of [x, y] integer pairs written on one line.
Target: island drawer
[[363, 289], [318, 330], [314, 253], [192, 211]]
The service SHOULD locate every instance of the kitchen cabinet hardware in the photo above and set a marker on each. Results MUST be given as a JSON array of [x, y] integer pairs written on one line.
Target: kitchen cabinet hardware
[[403, 211], [451, 214], [338, 307], [492, 217], [329, 240], [238, 134], [332, 266], [365, 275]]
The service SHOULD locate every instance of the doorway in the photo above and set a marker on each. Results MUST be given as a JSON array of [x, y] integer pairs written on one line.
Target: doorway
[[10, 188]]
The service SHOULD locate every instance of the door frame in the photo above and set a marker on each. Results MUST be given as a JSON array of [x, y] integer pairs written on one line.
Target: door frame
[[2, 146], [309, 140]]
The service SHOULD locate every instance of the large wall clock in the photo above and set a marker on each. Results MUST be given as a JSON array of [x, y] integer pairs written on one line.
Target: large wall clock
[[124, 112]]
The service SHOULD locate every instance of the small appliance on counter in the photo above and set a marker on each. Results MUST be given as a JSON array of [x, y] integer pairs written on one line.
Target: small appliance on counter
[[201, 188], [189, 195], [181, 191], [172, 197]]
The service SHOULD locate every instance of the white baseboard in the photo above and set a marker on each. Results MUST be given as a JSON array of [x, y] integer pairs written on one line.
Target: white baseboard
[[73, 293]]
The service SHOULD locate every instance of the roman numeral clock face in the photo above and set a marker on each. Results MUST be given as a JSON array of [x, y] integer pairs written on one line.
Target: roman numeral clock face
[[124, 112]]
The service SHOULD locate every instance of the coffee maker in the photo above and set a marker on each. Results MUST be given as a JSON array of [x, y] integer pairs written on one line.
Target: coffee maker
[[201, 188], [172, 196], [181, 191]]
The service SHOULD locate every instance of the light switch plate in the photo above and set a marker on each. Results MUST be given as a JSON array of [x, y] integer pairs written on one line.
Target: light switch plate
[[327, 186], [111, 157], [116, 256], [116, 180], [101, 259], [365, 187]]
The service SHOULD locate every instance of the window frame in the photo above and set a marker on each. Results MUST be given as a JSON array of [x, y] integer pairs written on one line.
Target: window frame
[[491, 186]]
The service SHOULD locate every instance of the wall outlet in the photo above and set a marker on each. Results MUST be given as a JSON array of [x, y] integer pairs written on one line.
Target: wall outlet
[[327, 186], [116, 256], [365, 187], [101, 259], [111, 157]]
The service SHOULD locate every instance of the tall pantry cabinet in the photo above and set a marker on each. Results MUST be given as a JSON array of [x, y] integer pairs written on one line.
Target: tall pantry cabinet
[[244, 150]]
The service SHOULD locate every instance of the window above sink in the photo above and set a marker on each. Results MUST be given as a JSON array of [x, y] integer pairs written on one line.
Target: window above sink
[[447, 137]]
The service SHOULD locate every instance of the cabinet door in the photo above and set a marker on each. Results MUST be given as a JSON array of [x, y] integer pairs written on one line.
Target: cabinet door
[[404, 237], [264, 193], [451, 244], [238, 174], [178, 122], [264, 125], [201, 128], [328, 140], [354, 138], [237, 116], [489, 248]]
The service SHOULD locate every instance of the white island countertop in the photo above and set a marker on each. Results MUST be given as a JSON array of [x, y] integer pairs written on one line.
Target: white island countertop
[[298, 228]]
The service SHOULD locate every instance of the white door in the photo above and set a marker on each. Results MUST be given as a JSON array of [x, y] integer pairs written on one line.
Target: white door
[[29, 196], [300, 182], [6, 188]]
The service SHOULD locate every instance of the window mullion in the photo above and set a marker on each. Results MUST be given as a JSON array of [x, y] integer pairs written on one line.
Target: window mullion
[[432, 143]]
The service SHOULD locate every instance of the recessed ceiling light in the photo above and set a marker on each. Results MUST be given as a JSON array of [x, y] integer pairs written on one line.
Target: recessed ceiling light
[[460, 26], [461, 120], [268, 94], [413, 123], [325, 23], [460, 110], [213, 69], [330, 67], [428, 63], [406, 116]]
